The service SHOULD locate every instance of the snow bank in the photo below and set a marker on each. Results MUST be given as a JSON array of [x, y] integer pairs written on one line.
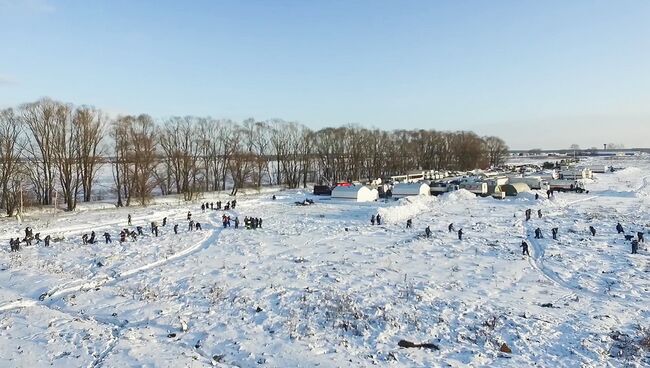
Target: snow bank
[[458, 196], [407, 208]]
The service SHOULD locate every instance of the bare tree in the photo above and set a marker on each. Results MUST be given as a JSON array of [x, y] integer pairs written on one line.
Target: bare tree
[[91, 125], [11, 147], [66, 153], [39, 117], [496, 150]]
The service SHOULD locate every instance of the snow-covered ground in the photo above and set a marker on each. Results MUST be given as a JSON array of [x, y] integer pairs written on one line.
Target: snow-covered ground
[[319, 286]]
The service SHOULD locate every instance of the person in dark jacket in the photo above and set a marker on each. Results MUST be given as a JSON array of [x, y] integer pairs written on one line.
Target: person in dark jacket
[[460, 234], [427, 232], [451, 227], [639, 235], [129, 219], [139, 229], [47, 240], [538, 233], [202, 207], [84, 238], [524, 248], [164, 221], [236, 222], [197, 226], [372, 220], [92, 238], [539, 213], [592, 230], [554, 232], [191, 225], [378, 219], [176, 229], [635, 246], [409, 223], [619, 228], [107, 238]]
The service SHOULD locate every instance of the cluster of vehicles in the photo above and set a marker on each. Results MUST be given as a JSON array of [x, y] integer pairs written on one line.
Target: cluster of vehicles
[[564, 179]]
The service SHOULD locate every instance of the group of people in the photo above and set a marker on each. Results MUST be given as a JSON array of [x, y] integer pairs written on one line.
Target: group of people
[[14, 244], [211, 205], [528, 213], [592, 230], [252, 222], [375, 219]]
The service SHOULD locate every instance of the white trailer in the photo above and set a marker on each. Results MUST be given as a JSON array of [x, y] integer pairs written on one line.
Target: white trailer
[[438, 188], [478, 188], [534, 182]]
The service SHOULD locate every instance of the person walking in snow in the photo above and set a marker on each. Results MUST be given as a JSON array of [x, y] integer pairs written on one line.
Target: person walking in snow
[[409, 223], [536, 196], [539, 213], [592, 230], [107, 238], [234, 203], [538, 233], [372, 220], [47, 240], [212, 206], [92, 238], [197, 226], [191, 225], [189, 215], [460, 234], [427, 232], [451, 227], [527, 214], [139, 229], [202, 207], [129, 219], [635, 246], [236, 222], [259, 224], [84, 238], [619, 228], [164, 221], [639, 235], [155, 230], [273, 198], [37, 237], [524, 248], [548, 193], [122, 236], [378, 219], [175, 228], [554, 232]]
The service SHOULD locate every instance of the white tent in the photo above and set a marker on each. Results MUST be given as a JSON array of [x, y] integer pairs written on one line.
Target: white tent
[[358, 193], [402, 190]]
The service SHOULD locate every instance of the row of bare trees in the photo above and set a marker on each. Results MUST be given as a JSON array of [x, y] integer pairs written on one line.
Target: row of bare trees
[[49, 147]]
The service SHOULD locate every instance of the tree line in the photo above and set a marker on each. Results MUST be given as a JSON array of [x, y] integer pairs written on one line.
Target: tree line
[[49, 147]]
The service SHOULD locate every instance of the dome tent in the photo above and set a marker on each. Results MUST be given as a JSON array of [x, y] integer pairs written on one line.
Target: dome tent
[[359, 193]]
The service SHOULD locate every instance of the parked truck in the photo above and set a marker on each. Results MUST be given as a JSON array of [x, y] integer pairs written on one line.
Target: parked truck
[[567, 185]]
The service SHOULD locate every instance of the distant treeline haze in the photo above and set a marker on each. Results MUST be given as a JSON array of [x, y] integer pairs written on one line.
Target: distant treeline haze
[[48, 145]]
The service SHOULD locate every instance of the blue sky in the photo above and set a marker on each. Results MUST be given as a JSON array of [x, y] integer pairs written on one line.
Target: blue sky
[[538, 73]]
